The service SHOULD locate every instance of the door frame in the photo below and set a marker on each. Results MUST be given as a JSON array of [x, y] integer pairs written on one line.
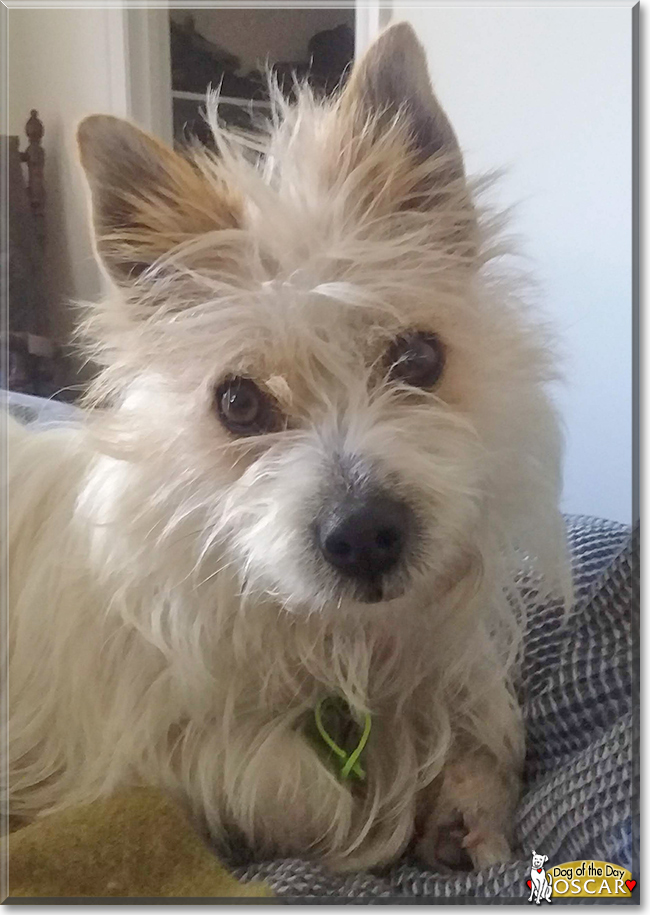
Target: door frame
[[148, 69], [371, 17], [142, 70]]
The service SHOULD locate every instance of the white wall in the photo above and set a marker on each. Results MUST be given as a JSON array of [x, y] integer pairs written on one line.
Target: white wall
[[66, 64], [546, 91]]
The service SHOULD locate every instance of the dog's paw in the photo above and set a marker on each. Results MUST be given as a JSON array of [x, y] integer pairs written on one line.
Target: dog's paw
[[470, 816], [452, 845], [487, 847]]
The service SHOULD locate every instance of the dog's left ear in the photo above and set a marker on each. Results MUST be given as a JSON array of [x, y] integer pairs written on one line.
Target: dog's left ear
[[396, 144]]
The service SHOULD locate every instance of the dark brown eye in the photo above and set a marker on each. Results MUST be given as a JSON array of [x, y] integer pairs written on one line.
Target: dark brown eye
[[244, 409], [417, 359]]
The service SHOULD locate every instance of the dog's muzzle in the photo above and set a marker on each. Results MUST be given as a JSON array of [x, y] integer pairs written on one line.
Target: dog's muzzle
[[364, 538]]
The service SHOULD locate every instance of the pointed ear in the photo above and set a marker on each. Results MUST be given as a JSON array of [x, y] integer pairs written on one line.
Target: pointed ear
[[393, 134], [146, 199], [391, 81]]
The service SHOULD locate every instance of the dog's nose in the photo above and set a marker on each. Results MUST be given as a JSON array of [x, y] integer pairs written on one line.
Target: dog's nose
[[366, 538]]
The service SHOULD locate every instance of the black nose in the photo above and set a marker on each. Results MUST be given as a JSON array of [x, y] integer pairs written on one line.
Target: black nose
[[366, 538]]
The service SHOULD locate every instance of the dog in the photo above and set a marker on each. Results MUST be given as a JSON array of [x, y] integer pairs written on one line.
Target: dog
[[539, 887], [318, 455]]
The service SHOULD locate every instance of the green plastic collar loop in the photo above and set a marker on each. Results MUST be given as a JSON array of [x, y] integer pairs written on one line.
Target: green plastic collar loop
[[350, 765]]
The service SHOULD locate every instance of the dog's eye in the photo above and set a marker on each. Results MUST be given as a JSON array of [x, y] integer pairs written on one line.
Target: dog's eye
[[417, 359], [244, 409]]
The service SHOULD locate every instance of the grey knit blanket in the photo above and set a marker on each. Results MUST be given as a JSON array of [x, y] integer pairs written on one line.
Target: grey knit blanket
[[579, 691]]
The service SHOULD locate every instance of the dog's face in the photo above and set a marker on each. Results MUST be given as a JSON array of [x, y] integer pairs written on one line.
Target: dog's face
[[310, 353], [539, 860]]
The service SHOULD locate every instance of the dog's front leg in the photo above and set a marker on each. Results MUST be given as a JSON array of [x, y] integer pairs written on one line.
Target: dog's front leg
[[466, 815], [271, 786], [471, 812]]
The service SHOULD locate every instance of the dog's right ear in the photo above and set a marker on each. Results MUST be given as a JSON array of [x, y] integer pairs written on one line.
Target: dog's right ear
[[146, 198]]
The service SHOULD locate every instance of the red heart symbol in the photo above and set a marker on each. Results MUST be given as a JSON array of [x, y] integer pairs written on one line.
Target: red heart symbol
[[539, 870], [530, 884], [630, 884]]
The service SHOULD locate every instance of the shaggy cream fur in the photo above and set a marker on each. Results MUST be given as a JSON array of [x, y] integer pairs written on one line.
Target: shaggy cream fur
[[172, 622]]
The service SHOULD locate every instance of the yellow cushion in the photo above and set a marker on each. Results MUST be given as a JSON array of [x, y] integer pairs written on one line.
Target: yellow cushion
[[136, 843]]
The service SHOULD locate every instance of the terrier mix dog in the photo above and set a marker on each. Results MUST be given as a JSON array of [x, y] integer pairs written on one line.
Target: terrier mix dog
[[323, 456]]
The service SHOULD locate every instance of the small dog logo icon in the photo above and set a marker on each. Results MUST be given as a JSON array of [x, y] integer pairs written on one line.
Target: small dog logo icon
[[540, 887]]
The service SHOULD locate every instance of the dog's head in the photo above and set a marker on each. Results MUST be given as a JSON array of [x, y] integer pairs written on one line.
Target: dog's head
[[539, 860], [312, 357]]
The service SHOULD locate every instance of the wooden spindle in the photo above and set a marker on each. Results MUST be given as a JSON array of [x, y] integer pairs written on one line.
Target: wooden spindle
[[34, 158]]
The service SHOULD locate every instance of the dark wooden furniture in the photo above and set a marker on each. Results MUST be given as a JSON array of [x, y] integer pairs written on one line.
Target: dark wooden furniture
[[34, 363]]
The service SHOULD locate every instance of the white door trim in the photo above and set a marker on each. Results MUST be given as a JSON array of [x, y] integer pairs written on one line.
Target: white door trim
[[371, 17], [148, 70], [139, 72], [117, 56]]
